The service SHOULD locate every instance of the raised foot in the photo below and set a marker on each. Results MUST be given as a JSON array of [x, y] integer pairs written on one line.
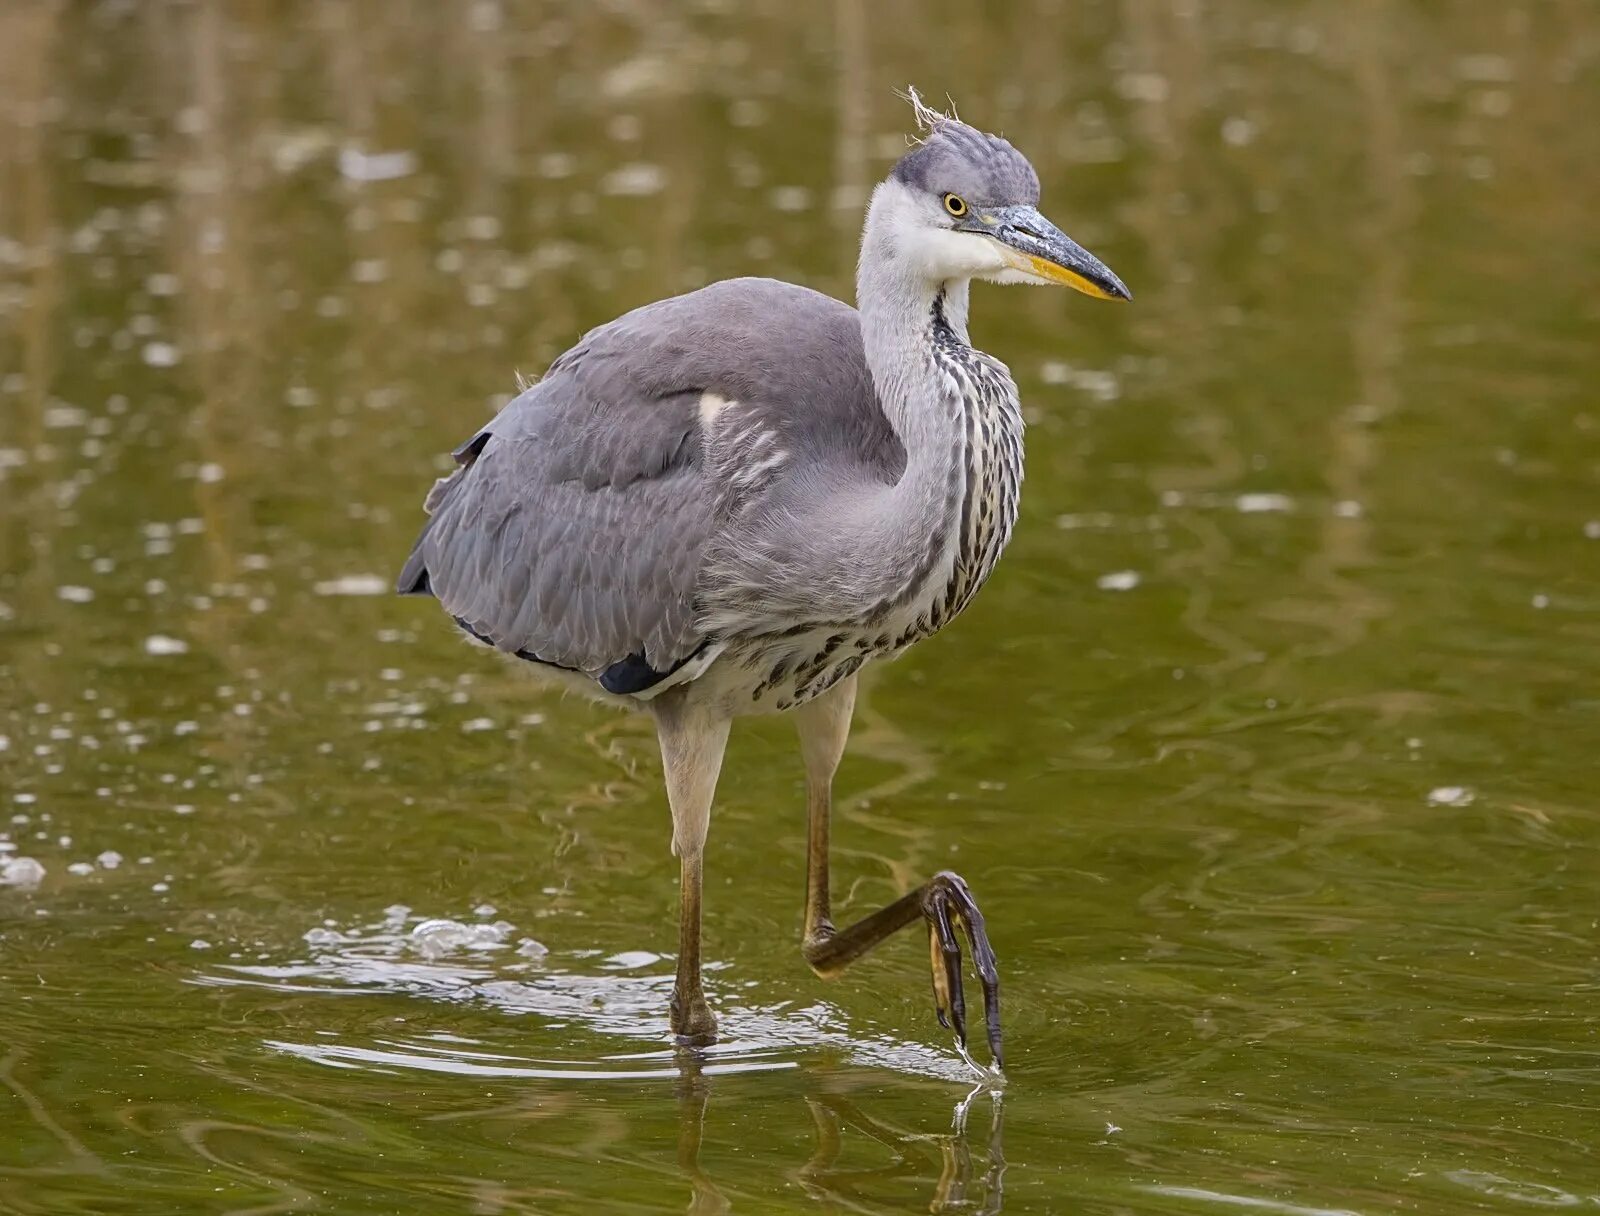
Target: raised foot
[[947, 902], [693, 1023]]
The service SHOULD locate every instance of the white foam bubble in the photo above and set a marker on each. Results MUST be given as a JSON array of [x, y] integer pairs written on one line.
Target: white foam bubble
[[353, 584], [1253, 504], [1118, 580], [20, 872]]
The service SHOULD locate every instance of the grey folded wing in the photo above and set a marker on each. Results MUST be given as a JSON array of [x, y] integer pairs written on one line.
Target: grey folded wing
[[573, 532]]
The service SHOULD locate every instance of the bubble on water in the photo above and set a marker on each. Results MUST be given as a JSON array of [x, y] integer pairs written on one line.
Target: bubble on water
[[555, 165], [75, 595], [635, 180], [1347, 509], [529, 948], [109, 860], [1099, 383], [1118, 580], [1253, 504], [629, 960], [199, 943], [321, 937], [1142, 86], [789, 198], [161, 354], [359, 166], [353, 584], [437, 937], [81, 868], [1237, 131], [473, 725], [485, 910], [64, 417], [160, 644], [20, 872], [1451, 795], [1591, 529]]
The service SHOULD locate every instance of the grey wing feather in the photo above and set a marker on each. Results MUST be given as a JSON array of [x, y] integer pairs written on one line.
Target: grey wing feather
[[550, 543], [576, 528]]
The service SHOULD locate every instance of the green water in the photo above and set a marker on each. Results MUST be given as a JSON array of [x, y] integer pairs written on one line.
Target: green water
[[1269, 750]]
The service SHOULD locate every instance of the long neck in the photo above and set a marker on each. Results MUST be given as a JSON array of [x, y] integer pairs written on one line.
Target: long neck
[[899, 319], [904, 318]]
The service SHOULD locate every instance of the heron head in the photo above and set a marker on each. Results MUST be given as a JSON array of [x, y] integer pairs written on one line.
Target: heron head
[[965, 204]]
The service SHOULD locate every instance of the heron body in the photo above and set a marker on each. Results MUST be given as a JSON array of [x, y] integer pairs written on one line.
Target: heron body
[[728, 502]]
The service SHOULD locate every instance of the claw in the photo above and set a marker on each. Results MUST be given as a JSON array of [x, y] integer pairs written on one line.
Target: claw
[[949, 902], [950, 949], [984, 962]]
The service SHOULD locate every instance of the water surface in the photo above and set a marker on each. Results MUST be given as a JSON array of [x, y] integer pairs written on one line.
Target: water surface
[[1269, 750]]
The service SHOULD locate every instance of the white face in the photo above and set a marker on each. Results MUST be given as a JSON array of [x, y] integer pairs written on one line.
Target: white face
[[924, 239]]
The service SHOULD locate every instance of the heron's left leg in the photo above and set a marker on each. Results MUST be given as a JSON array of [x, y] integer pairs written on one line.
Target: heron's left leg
[[692, 742], [944, 901]]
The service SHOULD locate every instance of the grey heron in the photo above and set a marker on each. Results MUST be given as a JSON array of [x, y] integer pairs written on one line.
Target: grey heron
[[728, 502]]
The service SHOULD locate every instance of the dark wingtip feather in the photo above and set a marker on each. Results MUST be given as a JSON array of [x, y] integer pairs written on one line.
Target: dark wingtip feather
[[631, 675], [413, 578]]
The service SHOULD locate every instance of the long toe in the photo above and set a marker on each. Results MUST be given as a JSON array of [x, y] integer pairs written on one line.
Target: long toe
[[948, 903]]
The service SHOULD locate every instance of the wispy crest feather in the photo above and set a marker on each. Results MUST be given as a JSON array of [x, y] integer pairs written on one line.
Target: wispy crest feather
[[928, 119]]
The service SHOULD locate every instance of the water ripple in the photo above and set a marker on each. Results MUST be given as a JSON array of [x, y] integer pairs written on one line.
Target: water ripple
[[620, 996]]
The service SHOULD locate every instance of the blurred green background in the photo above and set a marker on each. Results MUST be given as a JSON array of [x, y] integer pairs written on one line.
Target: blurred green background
[[1270, 749]]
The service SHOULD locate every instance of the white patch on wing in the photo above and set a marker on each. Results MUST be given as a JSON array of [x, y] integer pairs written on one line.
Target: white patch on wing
[[752, 473], [711, 405]]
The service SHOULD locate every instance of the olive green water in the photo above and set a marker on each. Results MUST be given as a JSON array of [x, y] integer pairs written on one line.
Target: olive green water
[[1270, 749]]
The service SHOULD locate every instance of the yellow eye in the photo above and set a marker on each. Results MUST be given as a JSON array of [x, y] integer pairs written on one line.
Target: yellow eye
[[955, 205]]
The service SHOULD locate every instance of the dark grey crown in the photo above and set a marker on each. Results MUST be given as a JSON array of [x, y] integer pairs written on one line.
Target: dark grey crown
[[983, 169]]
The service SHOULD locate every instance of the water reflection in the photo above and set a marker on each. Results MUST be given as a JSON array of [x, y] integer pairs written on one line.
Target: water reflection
[[962, 1185], [621, 996], [913, 1157]]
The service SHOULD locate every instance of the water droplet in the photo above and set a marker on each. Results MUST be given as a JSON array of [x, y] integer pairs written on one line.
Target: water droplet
[[1118, 580]]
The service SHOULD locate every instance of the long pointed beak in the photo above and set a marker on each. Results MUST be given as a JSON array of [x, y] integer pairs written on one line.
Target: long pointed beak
[[1041, 251]]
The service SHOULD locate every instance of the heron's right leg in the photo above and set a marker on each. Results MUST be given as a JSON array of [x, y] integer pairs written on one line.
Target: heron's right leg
[[692, 742], [944, 901], [824, 725]]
